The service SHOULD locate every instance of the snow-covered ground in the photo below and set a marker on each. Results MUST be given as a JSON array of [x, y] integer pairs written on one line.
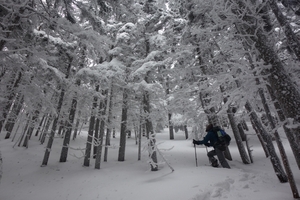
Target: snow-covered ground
[[25, 179]]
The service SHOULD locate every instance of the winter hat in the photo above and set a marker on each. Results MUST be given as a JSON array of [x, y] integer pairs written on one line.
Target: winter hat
[[209, 127]]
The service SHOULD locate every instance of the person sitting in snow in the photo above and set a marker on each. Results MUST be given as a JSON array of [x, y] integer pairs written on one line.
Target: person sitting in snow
[[210, 140]]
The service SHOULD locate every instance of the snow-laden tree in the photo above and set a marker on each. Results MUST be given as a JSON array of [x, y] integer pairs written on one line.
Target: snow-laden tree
[[143, 59]]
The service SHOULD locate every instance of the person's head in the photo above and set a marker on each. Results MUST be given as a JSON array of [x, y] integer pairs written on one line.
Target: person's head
[[209, 127]]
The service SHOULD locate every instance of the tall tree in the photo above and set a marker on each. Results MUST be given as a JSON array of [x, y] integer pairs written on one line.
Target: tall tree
[[90, 137], [69, 127], [59, 106]]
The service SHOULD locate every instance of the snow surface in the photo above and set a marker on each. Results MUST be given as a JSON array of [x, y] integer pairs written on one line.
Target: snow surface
[[24, 178]]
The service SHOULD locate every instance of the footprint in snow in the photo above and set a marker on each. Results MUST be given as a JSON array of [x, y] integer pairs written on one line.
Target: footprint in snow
[[222, 188]]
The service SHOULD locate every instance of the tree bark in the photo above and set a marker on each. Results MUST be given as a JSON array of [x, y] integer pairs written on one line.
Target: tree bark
[[70, 121], [31, 125], [171, 129], [186, 132], [1, 166], [40, 125], [288, 132], [122, 147], [109, 124], [59, 106], [262, 142], [96, 132], [45, 130], [237, 137], [88, 147], [13, 116], [149, 132], [11, 89], [77, 125], [284, 157], [292, 39], [102, 129], [53, 129], [241, 131], [267, 138]]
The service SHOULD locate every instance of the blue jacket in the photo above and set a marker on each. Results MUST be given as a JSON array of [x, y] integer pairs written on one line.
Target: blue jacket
[[209, 140]]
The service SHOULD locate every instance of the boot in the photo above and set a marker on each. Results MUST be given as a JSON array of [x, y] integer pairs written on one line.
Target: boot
[[214, 163]]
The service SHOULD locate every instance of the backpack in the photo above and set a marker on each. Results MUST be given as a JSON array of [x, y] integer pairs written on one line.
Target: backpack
[[223, 139]]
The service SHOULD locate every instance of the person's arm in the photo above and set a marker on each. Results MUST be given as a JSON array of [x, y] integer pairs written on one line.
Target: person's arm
[[205, 140]]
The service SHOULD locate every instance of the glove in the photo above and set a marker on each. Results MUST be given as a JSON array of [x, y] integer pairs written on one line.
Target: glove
[[195, 142]]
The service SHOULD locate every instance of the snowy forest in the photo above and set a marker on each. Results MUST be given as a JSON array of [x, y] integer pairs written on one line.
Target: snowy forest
[[132, 68]]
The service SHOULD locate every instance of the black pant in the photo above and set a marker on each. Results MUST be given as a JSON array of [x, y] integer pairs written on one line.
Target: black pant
[[220, 155]]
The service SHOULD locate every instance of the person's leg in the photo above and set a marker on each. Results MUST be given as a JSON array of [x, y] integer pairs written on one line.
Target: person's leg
[[222, 158], [212, 159]]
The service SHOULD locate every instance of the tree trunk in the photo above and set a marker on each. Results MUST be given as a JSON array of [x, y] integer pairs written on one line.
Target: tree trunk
[[96, 133], [262, 142], [19, 121], [186, 132], [89, 142], [267, 138], [62, 126], [280, 146], [114, 132], [11, 88], [249, 150], [140, 131], [292, 39], [235, 130], [77, 125], [45, 130], [245, 139], [23, 134], [123, 130], [53, 129], [140, 141], [237, 137], [149, 132], [102, 128], [0, 166], [40, 125], [70, 121], [54, 125], [241, 131], [13, 115], [288, 132], [109, 124], [31, 126], [284, 89], [171, 129], [286, 165]]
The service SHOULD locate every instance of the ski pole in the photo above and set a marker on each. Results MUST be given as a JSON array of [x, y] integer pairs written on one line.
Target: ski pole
[[196, 155]]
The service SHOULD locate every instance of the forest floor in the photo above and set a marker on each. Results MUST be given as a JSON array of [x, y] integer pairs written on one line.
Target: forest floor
[[23, 177]]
